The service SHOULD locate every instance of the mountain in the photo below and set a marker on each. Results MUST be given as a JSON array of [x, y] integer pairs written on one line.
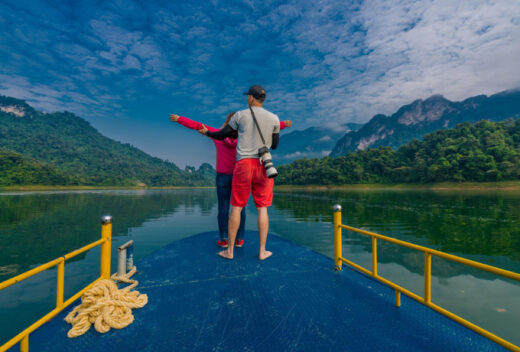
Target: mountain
[[426, 116], [485, 151], [313, 142], [67, 146]]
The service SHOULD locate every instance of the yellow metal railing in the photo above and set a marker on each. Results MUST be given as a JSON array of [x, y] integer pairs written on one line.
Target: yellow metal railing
[[428, 252], [105, 242]]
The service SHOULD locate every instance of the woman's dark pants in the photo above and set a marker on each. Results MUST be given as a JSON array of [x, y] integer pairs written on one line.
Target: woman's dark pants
[[224, 196]]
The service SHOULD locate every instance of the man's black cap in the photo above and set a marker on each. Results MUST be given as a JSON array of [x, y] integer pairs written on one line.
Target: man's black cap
[[258, 92]]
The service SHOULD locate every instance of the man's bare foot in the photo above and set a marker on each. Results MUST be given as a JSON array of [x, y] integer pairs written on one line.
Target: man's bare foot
[[264, 255], [225, 254]]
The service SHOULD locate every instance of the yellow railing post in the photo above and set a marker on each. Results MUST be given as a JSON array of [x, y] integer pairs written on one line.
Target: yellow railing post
[[337, 237], [105, 242], [428, 252], [106, 234], [60, 283], [427, 278], [374, 256], [24, 344]]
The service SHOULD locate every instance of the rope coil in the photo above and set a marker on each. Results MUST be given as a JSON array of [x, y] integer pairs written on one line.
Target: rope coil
[[106, 306]]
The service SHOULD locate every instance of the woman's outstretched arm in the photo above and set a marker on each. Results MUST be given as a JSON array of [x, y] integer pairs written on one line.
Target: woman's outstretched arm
[[186, 122]]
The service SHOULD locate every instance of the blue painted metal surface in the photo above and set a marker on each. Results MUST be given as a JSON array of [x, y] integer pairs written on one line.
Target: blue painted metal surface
[[294, 301]]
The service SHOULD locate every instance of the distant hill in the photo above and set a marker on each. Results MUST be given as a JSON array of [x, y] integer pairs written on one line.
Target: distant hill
[[313, 142], [15, 169], [486, 151], [426, 116], [68, 147]]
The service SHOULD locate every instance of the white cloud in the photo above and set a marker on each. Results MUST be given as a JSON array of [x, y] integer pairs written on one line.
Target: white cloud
[[416, 49], [323, 62], [385, 54]]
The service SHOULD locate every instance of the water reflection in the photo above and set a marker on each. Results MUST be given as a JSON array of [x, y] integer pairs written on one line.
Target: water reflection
[[482, 227], [479, 226], [38, 227]]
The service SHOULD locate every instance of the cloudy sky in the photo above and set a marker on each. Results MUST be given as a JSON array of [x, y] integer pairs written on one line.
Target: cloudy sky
[[126, 65]]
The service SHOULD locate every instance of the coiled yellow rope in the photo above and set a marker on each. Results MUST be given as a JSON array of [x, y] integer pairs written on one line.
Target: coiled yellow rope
[[106, 306]]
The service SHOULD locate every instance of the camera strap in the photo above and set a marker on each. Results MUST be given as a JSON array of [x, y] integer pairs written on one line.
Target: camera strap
[[257, 127]]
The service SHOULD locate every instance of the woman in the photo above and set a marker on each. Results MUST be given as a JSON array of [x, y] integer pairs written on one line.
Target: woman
[[226, 159]]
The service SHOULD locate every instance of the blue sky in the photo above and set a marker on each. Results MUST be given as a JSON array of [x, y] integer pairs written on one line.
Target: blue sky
[[126, 65]]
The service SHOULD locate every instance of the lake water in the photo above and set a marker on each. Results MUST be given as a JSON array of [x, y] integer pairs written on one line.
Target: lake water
[[483, 226]]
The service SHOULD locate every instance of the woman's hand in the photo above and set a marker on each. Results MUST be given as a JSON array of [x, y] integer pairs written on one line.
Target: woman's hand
[[174, 118], [288, 123]]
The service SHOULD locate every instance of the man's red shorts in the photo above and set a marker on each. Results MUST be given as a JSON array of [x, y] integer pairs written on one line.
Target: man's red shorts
[[247, 173]]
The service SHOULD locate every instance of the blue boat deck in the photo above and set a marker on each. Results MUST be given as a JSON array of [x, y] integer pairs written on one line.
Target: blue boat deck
[[294, 301]]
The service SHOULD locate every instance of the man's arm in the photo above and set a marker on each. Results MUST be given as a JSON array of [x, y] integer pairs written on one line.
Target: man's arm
[[227, 131], [276, 139]]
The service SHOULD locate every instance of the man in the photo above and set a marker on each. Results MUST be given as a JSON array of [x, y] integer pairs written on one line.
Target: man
[[249, 171], [226, 151]]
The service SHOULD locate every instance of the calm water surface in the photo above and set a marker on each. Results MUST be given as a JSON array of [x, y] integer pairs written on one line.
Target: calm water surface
[[482, 226]]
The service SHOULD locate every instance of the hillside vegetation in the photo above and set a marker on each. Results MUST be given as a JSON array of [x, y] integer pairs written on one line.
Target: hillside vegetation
[[62, 148], [486, 151], [15, 169]]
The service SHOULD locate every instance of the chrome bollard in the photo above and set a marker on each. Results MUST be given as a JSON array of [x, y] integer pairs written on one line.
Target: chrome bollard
[[125, 258]]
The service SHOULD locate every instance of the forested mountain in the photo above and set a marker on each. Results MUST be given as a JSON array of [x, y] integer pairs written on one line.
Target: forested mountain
[[422, 117], [486, 151], [15, 169], [69, 150], [313, 142]]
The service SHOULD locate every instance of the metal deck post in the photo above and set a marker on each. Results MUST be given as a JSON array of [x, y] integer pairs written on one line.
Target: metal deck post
[[337, 237], [106, 234]]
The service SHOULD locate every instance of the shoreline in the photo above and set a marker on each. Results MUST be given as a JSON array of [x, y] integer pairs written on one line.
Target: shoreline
[[90, 188], [441, 186]]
